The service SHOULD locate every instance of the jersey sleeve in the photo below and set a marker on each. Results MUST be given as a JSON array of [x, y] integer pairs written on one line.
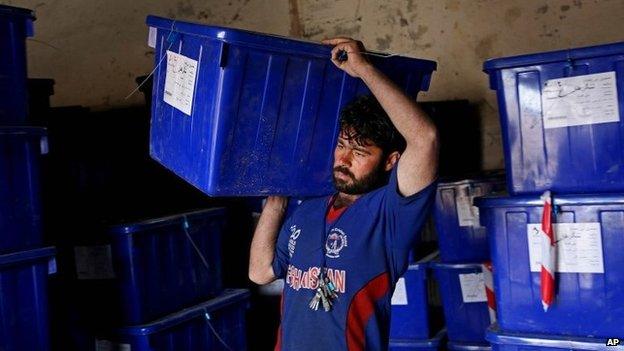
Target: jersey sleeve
[[282, 257], [404, 218]]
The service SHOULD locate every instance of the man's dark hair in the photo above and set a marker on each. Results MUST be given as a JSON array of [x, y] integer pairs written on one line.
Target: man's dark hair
[[366, 121]]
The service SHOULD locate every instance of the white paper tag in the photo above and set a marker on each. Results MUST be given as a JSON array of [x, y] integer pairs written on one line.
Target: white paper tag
[[579, 247], [180, 82], [472, 287], [94, 262], [52, 265], [400, 293], [581, 100], [151, 37], [467, 214]]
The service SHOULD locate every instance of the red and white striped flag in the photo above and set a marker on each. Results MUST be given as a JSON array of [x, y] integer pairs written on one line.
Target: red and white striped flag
[[548, 254], [486, 268]]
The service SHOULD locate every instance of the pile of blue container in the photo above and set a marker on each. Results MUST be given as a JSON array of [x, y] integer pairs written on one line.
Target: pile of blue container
[[561, 118], [166, 278], [24, 260], [463, 251], [448, 282], [562, 132], [169, 286]]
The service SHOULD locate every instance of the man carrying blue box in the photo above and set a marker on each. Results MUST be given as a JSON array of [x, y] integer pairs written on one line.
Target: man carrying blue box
[[341, 255]]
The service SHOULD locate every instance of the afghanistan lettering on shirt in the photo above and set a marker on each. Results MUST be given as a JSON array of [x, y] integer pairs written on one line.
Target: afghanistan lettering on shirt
[[297, 279]]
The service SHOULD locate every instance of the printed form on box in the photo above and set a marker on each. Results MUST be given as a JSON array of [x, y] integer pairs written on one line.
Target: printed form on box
[[180, 82], [580, 100], [578, 250], [472, 287]]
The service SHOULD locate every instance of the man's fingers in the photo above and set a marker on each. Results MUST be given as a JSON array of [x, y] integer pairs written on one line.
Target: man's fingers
[[334, 59], [334, 52], [336, 41], [336, 63]]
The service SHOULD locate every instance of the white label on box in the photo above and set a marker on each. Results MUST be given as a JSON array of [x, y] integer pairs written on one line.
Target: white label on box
[[575, 101], [472, 287], [180, 81], [151, 37], [400, 293], [94, 262], [579, 247], [467, 214]]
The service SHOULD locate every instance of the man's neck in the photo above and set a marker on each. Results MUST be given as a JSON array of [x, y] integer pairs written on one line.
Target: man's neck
[[344, 200]]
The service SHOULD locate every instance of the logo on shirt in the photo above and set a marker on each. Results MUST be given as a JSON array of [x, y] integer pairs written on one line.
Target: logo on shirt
[[336, 241], [292, 241]]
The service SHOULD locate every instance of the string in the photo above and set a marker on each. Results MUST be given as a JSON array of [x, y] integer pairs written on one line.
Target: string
[[44, 43], [170, 40], [186, 226], [215, 332], [188, 236]]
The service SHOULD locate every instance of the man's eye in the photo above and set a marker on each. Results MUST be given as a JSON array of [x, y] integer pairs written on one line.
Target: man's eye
[[340, 146], [359, 154]]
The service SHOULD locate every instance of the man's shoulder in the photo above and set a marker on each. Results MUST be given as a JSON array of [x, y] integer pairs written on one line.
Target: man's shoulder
[[312, 203]]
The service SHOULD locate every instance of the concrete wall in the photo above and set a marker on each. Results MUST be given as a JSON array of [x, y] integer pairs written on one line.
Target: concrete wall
[[94, 49]]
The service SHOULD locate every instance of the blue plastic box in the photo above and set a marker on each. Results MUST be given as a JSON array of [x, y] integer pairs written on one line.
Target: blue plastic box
[[24, 300], [586, 304], [158, 268], [20, 202], [507, 341], [190, 329], [466, 319], [16, 24], [264, 114], [432, 344], [460, 236], [573, 159], [415, 315]]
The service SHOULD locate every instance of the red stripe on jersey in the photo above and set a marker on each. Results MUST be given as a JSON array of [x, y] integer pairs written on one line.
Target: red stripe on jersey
[[362, 308], [278, 343]]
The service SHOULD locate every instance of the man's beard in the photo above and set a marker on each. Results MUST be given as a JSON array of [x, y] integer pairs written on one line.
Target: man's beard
[[375, 179]]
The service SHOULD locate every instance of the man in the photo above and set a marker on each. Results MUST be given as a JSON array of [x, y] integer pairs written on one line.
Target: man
[[342, 255]]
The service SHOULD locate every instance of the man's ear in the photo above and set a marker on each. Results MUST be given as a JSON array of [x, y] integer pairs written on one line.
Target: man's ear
[[391, 160]]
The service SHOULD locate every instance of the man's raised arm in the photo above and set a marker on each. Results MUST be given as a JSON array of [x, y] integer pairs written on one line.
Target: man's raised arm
[[418, 164]]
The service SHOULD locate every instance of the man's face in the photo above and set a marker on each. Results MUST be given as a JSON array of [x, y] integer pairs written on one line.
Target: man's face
[[358, 168]]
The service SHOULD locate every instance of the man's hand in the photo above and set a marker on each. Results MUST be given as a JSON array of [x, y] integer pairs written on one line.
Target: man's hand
[[356, 64], [276, 203]]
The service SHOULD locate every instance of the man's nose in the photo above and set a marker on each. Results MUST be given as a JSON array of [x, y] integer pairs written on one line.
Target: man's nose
[[344, 158]]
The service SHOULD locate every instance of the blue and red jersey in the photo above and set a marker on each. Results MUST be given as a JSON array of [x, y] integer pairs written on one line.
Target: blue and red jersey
[[364, 250]]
